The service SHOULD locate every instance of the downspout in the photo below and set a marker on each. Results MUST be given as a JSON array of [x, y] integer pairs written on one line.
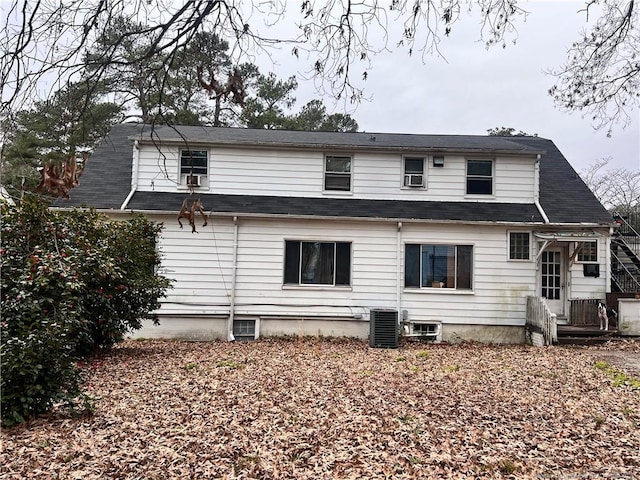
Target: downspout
[[607, 262], [536, 189], [399, 271], [134, 174], [234, 271]]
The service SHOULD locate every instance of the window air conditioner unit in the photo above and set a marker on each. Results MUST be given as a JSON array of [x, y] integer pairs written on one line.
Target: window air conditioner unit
[[192, 180], [383, 329], [413, 180]]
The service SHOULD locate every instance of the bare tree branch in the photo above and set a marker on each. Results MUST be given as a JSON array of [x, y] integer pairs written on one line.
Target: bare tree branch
[[616, 188], [602, 75]]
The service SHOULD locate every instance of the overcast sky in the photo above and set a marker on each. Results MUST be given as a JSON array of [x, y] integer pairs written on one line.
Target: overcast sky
[[476, 89]]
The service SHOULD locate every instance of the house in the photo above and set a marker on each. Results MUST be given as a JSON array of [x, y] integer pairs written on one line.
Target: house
[[330, 233]]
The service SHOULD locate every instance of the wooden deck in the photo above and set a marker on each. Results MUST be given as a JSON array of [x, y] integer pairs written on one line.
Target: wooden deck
[[584, 335]]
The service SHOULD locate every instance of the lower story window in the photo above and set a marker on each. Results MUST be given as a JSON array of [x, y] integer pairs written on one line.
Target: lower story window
[[317, 263], [244, 330], [438, 266]]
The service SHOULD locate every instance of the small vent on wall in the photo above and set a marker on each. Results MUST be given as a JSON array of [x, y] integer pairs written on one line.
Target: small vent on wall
[[383, 329]]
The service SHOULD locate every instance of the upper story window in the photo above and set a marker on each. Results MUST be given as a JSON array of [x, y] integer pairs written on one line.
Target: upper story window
[[480, 177], [317, 263], [438, 266], [414, 172], [194, 165], [337, 173], [519, 246], [588, 253]]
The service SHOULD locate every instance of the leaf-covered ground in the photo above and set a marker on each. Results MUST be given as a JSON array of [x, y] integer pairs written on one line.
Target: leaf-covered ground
[[325, 409]]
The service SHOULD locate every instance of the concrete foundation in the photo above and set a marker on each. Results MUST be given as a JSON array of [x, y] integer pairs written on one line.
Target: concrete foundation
[[215, 328], [483, 333]]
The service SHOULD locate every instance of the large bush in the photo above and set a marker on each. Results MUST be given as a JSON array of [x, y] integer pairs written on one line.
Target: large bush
[[71, 282]]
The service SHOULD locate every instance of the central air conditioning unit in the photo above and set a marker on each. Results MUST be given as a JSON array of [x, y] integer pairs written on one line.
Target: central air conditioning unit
[[414, 180], [192, 181], [383, 329]]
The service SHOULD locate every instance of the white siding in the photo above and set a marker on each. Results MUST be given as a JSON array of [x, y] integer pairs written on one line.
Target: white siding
[[300, 173], [201, 265], [591, 287], [500, 287]]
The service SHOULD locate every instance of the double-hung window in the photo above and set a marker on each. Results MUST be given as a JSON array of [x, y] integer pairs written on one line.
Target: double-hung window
[[588, 253], [480, 177], [438, 266], [194, 165], [414, 172], [337, 173], [519, 246], [317, 263]]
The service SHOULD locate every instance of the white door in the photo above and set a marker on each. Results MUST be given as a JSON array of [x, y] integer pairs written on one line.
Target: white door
[[552, 279]]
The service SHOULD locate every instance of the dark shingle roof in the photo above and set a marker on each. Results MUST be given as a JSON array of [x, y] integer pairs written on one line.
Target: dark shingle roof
[[563, 195], [333, 140], [106, 181], [345, 207]]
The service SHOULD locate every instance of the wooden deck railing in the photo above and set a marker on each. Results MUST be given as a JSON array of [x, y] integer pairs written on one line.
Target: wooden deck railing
[[583, 312], [540, 318]]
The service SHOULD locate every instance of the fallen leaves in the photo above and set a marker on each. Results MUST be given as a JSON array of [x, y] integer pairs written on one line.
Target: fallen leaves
[[338, 409]]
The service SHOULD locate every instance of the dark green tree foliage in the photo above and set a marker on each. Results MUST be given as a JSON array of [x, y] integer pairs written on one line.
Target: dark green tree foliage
[[160, 87], [119, 57], [313, 116], [69, 123], [273, 97], [507, 132], [71, 282]]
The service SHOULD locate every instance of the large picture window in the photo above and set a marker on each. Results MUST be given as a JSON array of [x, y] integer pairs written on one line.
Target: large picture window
[[480, 177], [438, 266], [317, 263], [337, 173]]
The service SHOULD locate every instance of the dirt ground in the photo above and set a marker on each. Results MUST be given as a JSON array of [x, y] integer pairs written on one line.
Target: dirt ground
[[625, 360]]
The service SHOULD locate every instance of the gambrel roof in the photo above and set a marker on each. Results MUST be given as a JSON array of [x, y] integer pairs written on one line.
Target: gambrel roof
[[106, 180]]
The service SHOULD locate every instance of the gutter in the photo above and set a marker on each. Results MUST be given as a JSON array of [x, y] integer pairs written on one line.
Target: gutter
[[351, 219], [134, 174], [536, 190]]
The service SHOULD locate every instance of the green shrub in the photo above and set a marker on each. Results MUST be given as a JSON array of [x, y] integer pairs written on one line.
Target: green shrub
[[71, 282]]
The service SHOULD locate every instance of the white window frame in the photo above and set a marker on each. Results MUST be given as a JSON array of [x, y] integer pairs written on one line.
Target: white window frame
[[529, 253], [580, 257], [492, 177], [338, 174], [406, 176], [185, 170]]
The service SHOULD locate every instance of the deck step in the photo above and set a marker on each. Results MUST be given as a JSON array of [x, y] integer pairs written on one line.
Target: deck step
[[585, 335]]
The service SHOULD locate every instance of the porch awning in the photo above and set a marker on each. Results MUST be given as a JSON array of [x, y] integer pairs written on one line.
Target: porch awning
[[549, 238], [567, 236]]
